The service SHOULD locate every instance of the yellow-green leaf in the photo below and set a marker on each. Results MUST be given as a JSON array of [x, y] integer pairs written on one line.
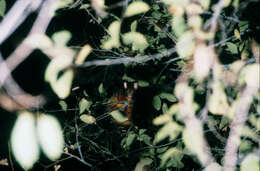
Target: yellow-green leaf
[[24, 140], [61, 38], [88, 119], [171, 129], [2, 7], [137, 40], [142, 163], [185, 45], [62, 85], [39, 41], [113, 41], [118, 116], [213, 167], [84, 104], [250, 163], [136, 7], [50, 136]]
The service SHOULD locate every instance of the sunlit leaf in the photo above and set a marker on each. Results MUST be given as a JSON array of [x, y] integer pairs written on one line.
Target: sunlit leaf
[[142, 163], [50, 136], [250, 75], [24, 141], [218, 100], [205, 4], [113, 41], [137, 40], [195, 22], [231, 47], [84, 104], [2, 7], [61, 38], [178, 25], [162, 119], [63, 105], [171, 130], [83, 54], [195, 143], [175, 154], [118, 116], [185, 45], [133, 26], [245, 145], [136, 7], [60, 85], [176, 2], [213, 167], [251, 162], [157, 102], [39, 41], [98, 6], [237, 34], [88, 119]]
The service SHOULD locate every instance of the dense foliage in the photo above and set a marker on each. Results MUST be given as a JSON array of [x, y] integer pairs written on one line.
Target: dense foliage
[[135, 85]]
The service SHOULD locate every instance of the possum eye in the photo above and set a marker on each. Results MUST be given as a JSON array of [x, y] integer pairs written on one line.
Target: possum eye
[[135, 86], [125, 85]]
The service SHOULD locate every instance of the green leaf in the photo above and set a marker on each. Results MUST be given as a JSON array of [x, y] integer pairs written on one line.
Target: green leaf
[[142, 163], [23, 137], [130, 139], [62, 85], [171, 129], [173, 157], [195, 142], [164, 108], [88, 119], [231, 47], [245, 145], [113, 41], [168, 96], [101, 89], [157, 102], [142, 83], [136, 7], [61, 38], [63, 105], [84, 104], [137, 40], [50, 136], [213, 166], [127, 78], [118, 116], [251, 162], [205, 4], [2, 8], [133, 26], [40, 41], [179, 25], [185, 45]]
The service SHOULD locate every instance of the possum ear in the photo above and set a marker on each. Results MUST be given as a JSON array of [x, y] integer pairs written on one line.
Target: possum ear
[[135, 86], [125, 85]]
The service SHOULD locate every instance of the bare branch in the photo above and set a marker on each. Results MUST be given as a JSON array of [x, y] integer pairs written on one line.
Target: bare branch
[[236, 127]]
